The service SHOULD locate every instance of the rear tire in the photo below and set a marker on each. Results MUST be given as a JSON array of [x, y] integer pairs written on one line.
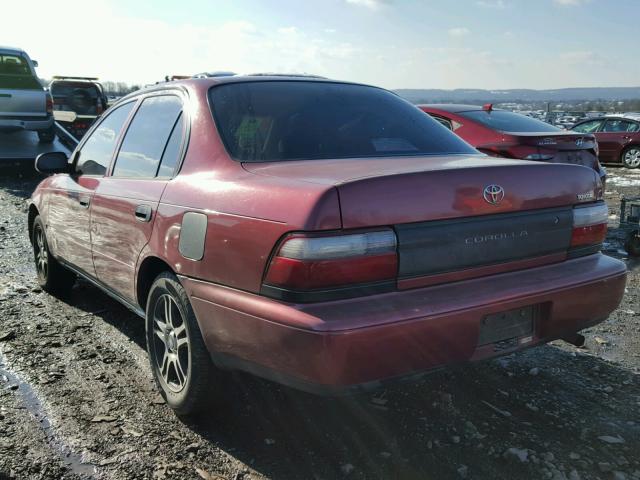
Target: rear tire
[[47, 136], [180, 361], [631, 157], [52, 276]]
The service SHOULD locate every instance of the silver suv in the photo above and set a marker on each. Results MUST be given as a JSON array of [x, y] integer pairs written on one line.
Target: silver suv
[[24, 103]]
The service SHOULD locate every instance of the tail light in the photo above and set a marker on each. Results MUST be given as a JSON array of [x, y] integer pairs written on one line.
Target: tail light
[[310, 262], [99, 109], [49, 105], [589, 225]]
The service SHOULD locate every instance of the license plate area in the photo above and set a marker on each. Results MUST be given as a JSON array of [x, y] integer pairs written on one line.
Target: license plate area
[[504, 328]]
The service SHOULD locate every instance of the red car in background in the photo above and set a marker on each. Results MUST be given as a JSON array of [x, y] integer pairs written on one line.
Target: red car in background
[[501, 133], [618, 139]]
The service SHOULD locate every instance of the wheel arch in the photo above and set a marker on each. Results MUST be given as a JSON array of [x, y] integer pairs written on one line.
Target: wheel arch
[[149, 269]]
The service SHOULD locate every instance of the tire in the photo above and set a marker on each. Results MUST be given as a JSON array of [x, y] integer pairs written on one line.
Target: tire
[[175, 344], [47, 136], [630, 157], [52, 276], [632, 245]]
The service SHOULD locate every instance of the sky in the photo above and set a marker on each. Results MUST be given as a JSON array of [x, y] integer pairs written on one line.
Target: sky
[[489, 44]]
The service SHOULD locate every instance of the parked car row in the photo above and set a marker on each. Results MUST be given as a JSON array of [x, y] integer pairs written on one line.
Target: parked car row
[[325, 235]]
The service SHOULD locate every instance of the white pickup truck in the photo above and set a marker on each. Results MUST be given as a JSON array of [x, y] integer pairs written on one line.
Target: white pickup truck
[[24, 103]]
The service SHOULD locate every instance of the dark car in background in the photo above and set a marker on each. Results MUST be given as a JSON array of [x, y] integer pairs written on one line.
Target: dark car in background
[[322, 234], [501, 133], [83, 96], [618, 139]]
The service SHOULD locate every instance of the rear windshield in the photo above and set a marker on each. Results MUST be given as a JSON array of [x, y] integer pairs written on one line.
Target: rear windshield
[[78, 97], [305, 120], [15, 74], [508, 121]]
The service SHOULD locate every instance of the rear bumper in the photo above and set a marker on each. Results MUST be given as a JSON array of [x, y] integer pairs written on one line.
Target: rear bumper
[[29, 123], [330, 347]]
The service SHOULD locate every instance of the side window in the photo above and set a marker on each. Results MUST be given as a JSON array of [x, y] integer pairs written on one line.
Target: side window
[[172, 151], [588, 127], [633, 127], [97, 151], [148, 134], [618, 126]]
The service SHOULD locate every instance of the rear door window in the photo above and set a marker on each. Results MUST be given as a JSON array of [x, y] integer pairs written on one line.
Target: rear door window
[[264, 121], [613, 126], [147, 137], [171, 153], [97, 151]]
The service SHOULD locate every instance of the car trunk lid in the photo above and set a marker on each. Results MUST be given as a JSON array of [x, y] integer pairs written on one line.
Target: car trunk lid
[[562, 147]]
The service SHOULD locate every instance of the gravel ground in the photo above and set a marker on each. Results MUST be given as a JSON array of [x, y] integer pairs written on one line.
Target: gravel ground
[[77, 399]]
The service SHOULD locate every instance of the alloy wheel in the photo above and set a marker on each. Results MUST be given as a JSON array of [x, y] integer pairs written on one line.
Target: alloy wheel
[[41, 253], [632, 158], [171, 344]]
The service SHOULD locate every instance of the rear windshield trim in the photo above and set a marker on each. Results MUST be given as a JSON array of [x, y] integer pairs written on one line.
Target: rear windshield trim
[[224, 141]]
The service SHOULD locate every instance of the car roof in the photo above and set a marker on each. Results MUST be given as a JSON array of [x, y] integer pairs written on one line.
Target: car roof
[[612, 117], [256, 77], [7, 49], [453, 107]]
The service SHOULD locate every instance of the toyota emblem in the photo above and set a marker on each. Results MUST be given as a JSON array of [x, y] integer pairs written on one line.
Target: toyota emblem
[[493, 194]]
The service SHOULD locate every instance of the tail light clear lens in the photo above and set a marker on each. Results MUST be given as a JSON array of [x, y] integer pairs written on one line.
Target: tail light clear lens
[[589, 225], [306, 262]]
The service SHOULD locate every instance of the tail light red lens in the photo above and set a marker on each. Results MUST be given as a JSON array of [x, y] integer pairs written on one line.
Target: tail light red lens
[[306, 262], [49, 104], [589, 225]]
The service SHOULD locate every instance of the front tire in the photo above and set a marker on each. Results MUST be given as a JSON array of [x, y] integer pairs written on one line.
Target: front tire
[[180, 361], [52, 276], [631, 157]]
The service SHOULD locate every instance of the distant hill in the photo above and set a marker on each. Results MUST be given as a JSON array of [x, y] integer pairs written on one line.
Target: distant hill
[[519, 95]]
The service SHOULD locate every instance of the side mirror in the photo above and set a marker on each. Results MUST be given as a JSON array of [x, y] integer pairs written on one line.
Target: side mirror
[[35, 63], [52, 162]]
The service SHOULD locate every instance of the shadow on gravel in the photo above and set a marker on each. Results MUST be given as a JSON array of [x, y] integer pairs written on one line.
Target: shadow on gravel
[[452, 422]]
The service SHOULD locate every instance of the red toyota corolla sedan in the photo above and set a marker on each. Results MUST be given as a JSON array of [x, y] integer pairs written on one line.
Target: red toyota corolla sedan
[[321, 234], [618, 138], [501, 133]]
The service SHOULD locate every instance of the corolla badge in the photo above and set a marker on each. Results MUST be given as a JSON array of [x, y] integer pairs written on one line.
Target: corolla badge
[[493, 194]]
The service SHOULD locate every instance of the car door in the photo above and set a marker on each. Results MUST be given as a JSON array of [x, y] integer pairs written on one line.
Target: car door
[[69, 215], [126, 201], [613, 137]]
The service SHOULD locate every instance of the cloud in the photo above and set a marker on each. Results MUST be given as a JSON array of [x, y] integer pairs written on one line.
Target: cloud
[[491, 3], [171, 47], [571, 3], [370, 4], [582, 57], [458, 31]]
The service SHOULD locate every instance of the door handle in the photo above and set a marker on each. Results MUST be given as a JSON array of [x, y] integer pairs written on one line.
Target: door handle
[[143, 213], [84, 202]]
